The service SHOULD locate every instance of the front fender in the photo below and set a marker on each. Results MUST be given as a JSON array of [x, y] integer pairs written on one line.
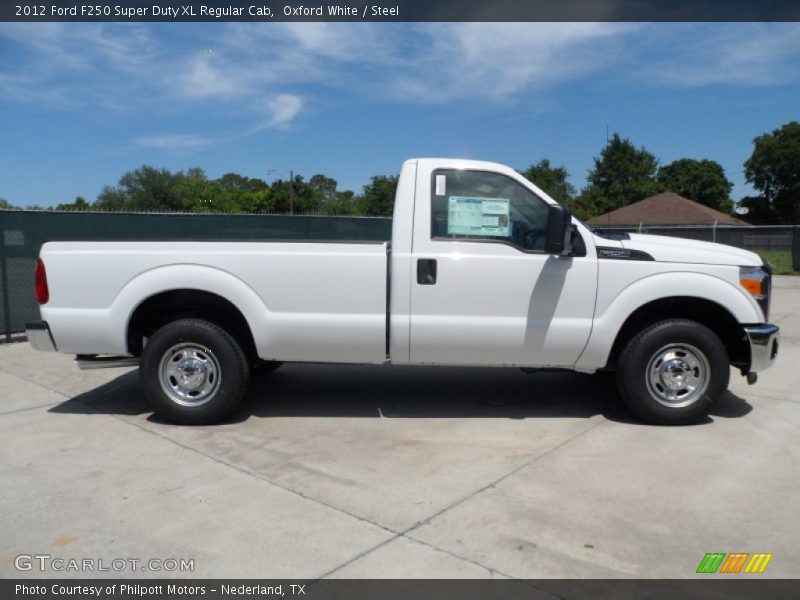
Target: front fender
[[658, 286]]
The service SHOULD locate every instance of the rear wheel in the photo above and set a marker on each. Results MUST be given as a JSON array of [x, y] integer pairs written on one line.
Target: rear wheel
[[193, 372], [673, 371]]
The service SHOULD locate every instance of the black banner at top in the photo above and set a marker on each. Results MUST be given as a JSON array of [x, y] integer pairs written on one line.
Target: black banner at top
[[399, 10]]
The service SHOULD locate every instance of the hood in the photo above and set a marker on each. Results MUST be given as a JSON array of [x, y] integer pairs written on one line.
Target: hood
[[671, 249]]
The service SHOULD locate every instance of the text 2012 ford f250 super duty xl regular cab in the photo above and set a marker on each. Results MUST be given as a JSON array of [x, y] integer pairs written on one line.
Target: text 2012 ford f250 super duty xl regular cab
[[483, 269]]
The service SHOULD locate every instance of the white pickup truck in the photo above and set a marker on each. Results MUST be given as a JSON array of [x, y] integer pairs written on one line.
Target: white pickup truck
[[483, 269]]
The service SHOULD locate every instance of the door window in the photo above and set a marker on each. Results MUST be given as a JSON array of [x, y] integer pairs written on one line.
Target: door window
[[485, 206]]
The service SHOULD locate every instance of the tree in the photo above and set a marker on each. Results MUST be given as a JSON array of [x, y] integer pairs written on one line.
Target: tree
[[149, 188], [192, 191], [325, 186], [111, 199], [622, 175], [586, 205], [345, 203], [774, 170], [552, 180], [238, 183], [378, 197], [295, 196], [703, 181], [254, 201], [6, 205], [145, 188], [759, 212], [80, 204]]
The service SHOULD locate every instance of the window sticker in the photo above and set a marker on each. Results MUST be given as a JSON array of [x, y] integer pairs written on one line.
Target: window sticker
[[441, 185], [472, 215]]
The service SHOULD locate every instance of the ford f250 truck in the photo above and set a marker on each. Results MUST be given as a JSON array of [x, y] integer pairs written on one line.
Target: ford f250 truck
[[483, 269]]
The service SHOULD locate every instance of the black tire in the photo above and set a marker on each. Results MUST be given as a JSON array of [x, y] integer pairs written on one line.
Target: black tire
[[194, 357], [661, 364]]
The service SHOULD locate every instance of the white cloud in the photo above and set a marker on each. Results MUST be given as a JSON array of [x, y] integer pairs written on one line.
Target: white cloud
[[283, 108], [277, 112], [498, 61], [336, 41], [203, 79], [243, 78], [139, 69], [66, 65], [427, 63], [173, 142], [732, 54]]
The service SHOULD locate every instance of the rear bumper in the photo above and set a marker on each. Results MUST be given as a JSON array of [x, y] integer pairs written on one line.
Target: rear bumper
[[764, 341], [39, 336]]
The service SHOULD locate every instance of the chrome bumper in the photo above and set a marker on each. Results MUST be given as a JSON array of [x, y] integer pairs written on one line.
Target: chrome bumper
[[39, 336], [763, 340]]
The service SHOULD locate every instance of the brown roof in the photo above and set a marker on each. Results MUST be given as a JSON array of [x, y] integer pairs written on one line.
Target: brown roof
[[666, 208]]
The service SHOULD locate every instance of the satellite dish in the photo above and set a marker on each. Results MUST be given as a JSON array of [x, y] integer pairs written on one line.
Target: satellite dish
[[741, 210]]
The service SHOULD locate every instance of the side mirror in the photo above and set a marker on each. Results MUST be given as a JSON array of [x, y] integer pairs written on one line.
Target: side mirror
[[559, 231]]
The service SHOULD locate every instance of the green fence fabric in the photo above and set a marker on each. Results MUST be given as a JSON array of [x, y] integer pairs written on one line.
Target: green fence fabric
[[22, 234]]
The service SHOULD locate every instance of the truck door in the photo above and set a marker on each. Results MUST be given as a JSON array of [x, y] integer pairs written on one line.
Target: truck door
[[483, 292]]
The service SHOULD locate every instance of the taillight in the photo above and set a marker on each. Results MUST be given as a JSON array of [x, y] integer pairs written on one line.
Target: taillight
[[42, 293]]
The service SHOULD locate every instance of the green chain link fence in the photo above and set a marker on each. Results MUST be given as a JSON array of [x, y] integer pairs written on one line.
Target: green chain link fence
[[22, 234]]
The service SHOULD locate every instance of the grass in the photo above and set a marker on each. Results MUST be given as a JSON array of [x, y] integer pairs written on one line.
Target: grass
[[781, 261]]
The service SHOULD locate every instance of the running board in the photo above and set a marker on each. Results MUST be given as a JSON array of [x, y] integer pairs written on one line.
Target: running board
[[87, 362]]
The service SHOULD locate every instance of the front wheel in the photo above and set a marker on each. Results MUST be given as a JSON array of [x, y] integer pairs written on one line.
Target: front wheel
[[672, 372], [193, 372]]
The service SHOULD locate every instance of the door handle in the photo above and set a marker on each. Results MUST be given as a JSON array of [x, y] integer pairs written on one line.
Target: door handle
[[426, 271]]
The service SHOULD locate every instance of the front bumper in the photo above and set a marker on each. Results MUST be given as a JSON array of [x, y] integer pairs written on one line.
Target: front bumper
[[39, 336], [763, 341]]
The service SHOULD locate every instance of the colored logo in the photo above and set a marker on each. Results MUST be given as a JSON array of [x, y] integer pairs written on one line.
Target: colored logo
[[735, 562]]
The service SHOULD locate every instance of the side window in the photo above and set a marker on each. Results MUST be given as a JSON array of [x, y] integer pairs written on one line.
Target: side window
[[480, 205]]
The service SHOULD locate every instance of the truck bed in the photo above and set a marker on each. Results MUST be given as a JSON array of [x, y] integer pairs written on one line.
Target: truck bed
[[303, 301]]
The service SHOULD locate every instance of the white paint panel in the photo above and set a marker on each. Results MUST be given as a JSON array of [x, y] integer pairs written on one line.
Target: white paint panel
[[493, 304], [625, 286], [303, 301]]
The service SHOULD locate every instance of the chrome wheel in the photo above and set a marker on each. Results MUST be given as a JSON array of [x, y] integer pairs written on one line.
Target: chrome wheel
[[677, 375], [189, 374]]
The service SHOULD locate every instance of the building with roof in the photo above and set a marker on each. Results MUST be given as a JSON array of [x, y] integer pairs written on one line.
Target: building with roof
[[666, 208]]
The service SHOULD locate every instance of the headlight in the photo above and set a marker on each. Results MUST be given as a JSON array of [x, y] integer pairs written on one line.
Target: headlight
[[757, 280]]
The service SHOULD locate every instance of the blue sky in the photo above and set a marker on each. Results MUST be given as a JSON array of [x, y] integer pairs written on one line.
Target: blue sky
[[80, 104]]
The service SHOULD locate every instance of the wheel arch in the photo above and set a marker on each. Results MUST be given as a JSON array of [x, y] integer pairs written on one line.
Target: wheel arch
[[180, 291], [171, 305], [701, 310], [690, 294]]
